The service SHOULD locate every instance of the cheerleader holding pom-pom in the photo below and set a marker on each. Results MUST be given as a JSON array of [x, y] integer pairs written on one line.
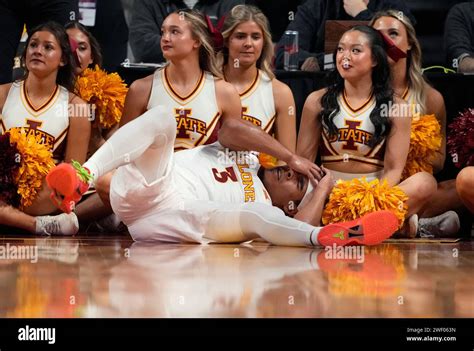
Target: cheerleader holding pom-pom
[[428, 131], [43, 122], [365, 150], [104, 92], [461, 149]]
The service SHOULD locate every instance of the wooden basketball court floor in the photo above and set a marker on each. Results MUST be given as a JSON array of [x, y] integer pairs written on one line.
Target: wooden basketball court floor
[[105, 276]]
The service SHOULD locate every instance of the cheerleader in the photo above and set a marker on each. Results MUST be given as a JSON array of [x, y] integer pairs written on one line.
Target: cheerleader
[[189, 87], [359, 126], [87, 48], [429, 153], [88, 54], [246, 63], [44, 106], [465, 187]]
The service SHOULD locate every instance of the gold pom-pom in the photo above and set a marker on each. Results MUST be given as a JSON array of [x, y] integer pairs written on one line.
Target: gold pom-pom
[[425, 142], [36, 161], [267, 161], [106, 91], [354, 198]]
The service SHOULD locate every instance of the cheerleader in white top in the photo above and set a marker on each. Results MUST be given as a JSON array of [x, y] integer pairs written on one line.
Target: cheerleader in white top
[[246, 59], [357, 123], [189, 87], [43, 105], [429, 110]]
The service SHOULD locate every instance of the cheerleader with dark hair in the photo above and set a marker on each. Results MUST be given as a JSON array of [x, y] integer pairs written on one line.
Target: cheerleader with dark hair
[[44, 120], [363, 131]]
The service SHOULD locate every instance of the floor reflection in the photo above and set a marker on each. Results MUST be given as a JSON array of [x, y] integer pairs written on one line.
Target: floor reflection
[[114, 277]]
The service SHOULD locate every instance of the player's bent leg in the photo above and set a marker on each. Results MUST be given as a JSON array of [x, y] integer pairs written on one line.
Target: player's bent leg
[[147, 142], [103, 188]]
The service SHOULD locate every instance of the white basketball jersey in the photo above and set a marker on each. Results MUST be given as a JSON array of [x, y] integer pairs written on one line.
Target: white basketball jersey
[[354, 132], [210, 173], [49, 121], [258, 105], [197, 115]]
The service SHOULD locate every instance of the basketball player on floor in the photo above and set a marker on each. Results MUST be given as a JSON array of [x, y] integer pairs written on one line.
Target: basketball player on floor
[[198, 196]]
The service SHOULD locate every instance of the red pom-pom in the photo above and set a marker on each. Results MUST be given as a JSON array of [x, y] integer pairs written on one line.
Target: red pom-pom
[[461, 139], [216, 34]]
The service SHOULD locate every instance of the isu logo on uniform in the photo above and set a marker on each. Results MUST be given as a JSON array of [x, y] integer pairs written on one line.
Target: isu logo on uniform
[[249, 118], [49, 122], [352, 135], [32, 128], [185, 123]]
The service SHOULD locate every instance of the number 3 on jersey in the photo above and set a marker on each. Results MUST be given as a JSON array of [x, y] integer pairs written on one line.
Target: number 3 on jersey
[[224, 176]]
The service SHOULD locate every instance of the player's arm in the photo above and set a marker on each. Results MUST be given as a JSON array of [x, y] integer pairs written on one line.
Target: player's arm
[[311, 210], [310, 128], [136, 100], [79, 131], [398, 144], [285, 123], [239, 135]]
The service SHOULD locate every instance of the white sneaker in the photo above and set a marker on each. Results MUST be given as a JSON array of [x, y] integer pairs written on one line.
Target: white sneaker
[[442, 226], [63, 224]]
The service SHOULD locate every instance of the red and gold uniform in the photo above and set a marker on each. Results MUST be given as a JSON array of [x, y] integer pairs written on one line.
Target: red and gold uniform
[[49, 121]]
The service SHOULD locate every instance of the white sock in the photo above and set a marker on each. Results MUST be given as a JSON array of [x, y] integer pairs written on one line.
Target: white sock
[[147, 141]]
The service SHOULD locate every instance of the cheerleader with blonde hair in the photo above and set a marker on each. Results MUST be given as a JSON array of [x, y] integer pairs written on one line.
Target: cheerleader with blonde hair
[[246, 59], [428, 133]]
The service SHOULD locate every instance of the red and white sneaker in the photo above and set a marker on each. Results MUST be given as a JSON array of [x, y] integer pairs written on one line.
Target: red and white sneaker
[[68, 183], [370, 229]]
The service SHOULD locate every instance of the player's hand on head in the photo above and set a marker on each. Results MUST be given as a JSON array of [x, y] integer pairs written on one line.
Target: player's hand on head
[[310, 65], [327, 181], [306, 167]]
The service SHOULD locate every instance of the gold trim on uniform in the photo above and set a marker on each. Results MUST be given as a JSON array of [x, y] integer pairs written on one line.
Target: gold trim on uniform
[[359, 110], [361, 159], [60, 138], [178, 98], [43, 108], [252, 86], [269, 125], [404, 95]]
